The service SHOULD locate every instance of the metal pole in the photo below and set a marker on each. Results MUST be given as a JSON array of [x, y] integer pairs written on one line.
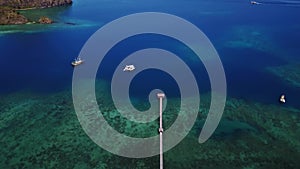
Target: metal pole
[[160, 96]]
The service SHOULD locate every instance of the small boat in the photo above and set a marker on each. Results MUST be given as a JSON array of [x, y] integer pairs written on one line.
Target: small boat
[[254, 3], [77, 61], [282, 98], [129, 68]]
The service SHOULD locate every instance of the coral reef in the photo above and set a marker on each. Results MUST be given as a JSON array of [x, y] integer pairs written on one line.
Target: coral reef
[[256, 38], [42, 131], [250, 37], [290, 73], [273, 134]]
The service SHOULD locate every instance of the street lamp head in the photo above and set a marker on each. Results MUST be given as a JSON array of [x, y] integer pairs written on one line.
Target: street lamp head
[[160, 95]]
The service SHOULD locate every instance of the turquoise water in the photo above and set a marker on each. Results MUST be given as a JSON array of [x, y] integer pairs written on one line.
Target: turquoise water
[[250, 39]]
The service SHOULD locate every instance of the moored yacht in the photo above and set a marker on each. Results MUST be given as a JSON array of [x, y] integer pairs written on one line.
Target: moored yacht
[[77, 61]]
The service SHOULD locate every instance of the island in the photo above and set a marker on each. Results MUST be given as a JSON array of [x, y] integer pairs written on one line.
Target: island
[[9, 14]]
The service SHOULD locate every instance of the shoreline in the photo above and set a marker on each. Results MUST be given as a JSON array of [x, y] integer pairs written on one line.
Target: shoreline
[[45, 7], [26, 9], [12, 14]]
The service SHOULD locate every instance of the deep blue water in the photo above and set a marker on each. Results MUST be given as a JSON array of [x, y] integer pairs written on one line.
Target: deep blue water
[[40, 61]]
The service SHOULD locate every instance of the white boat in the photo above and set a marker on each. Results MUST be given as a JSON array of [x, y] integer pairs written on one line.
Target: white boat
[[254, 3], [129, 68], [282, 98], [77, 61]]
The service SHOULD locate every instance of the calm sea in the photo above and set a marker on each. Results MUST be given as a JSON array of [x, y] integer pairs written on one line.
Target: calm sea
[[249, 38]]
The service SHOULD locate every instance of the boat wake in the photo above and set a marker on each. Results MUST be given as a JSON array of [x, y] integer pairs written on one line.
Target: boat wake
[[285, 3]]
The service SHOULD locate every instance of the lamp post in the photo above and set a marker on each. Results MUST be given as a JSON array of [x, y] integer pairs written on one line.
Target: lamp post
[[160, 130]]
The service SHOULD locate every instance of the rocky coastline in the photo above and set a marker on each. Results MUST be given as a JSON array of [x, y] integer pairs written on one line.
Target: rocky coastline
[[9, 14], [9, 17]]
